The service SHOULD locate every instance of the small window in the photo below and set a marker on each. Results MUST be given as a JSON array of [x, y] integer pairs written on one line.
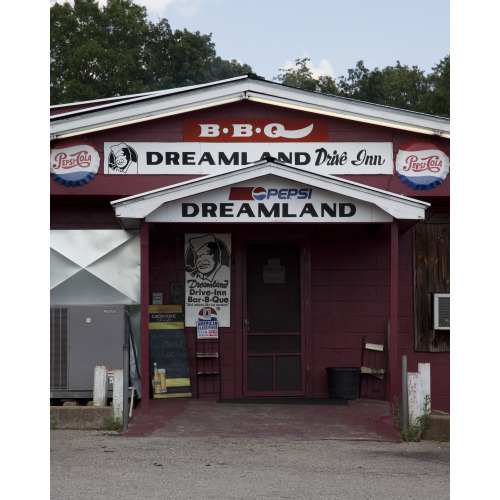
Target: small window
[[441, 305]]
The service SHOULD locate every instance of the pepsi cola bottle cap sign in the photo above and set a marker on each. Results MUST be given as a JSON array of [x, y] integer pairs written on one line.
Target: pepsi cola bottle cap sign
[[74, 164], [422, 165]]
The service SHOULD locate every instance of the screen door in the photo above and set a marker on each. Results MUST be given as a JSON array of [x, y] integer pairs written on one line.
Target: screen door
[[273, 343]]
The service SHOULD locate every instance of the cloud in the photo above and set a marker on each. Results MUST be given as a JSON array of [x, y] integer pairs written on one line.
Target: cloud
[[186, 8], [72, 2], [324, 68], [156, 6]]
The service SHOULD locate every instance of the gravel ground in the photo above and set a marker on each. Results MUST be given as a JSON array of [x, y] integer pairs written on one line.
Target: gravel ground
[[106, 465]]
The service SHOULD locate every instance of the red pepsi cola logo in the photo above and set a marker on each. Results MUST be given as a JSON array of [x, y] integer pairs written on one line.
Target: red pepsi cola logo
[[422, 165], [74, 164]]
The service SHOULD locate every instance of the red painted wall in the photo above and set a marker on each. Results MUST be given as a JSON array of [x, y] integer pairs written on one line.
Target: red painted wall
[[350, 299], [349, 264]]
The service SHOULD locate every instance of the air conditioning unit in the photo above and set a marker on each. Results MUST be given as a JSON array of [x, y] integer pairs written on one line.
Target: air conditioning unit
[[441, 308], [82, 337]]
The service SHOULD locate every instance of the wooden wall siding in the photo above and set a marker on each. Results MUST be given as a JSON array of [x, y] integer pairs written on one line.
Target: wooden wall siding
[[431, 255]]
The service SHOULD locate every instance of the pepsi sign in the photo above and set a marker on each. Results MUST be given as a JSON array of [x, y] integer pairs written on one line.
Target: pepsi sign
[[261, 193], [73, 164]]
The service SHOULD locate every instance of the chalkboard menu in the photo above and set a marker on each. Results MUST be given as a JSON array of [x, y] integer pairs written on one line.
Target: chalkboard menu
[[168, 359]]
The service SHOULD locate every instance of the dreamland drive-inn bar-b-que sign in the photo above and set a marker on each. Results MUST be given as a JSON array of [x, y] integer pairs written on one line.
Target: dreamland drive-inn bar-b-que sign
[[208, 278]]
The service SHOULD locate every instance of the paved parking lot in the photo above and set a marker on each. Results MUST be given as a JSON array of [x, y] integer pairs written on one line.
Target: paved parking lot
[[104, 465], [196, 449]]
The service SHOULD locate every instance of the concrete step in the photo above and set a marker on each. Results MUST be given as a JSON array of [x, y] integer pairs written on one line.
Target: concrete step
[[439, 428], [79, 417]]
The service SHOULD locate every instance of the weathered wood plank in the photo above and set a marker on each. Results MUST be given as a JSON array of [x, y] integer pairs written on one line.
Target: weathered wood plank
[[431, 250]]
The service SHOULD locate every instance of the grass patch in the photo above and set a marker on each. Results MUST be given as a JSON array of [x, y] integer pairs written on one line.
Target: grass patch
[[416, 426], [112, 424]]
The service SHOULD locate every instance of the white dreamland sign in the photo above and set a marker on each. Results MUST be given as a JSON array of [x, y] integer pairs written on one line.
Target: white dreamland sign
[[269, 199]]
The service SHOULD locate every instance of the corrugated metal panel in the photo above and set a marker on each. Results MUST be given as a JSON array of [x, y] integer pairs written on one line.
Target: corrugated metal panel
[[95, 267]]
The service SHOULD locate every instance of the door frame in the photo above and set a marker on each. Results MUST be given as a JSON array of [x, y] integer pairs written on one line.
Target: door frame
[[305, 313]]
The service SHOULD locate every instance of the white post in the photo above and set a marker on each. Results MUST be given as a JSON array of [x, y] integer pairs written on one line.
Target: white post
[[425, 376], [100, 385], [118, 395], [415, 398]]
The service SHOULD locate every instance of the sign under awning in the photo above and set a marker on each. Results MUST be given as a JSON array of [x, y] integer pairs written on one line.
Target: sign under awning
[[269, 199], [268, 191]]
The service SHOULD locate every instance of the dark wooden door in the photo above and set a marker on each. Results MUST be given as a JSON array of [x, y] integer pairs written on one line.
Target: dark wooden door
[[272, 331]]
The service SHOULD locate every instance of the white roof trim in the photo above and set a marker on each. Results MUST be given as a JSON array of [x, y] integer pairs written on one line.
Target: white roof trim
[[159, 105], [107, 102], [141, 205]]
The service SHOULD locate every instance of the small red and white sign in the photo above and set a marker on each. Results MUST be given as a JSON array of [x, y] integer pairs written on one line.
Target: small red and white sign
[[207, 314], [207, 325], [257, 130], [207, 329], [74, 164], [422, 165]]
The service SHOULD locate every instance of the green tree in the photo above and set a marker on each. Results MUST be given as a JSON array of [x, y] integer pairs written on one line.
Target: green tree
[[397, 86], [404, 87], [96, 52], [401, 87], [361, 84], [301, 77], [223, 68], [437, 101], [114, 50]]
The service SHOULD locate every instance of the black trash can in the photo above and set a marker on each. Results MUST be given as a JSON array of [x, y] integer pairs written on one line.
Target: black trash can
[[343, 382]]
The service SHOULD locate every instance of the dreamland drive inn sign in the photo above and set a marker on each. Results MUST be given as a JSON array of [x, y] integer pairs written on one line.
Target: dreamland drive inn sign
[[208, 278]]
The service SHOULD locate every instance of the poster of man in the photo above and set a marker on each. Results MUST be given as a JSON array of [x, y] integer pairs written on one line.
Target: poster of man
[[208, 276]]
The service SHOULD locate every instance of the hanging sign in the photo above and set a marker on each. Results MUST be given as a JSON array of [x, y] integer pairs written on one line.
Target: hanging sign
[[374, 347], [168, 359], [422, 165], [273, 274], [207, 329], [208, 278]]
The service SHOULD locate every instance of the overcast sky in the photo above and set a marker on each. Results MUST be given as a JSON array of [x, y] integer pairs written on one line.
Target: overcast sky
[[271, 34]]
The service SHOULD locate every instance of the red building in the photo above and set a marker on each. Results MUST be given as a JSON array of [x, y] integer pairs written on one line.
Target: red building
[[305, 224]]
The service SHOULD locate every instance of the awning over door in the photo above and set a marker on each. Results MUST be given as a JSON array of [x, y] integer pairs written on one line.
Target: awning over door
[[268, 191]]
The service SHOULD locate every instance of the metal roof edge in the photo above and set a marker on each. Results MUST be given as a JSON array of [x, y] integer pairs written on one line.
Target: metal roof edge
[[254, 88], [123, 100], [367, 103]]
